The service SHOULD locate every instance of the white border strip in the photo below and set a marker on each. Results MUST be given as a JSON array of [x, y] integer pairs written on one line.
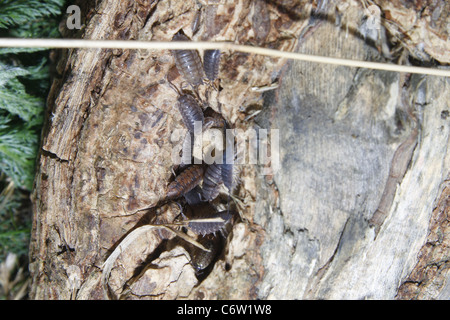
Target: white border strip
[[177, 45]]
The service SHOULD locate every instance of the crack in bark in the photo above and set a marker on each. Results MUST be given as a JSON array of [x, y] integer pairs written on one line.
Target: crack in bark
[[401, 162], [312, 285]]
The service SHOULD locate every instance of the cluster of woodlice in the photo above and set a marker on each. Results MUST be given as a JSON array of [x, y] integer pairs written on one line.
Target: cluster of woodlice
[[197, 187]]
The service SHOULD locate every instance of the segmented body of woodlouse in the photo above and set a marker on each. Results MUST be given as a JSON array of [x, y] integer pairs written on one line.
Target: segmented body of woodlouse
[[185, 181], [194, 197], [214, 223], [201, 259], [211, 182], [211, 59], [190, 111], [188, 62]]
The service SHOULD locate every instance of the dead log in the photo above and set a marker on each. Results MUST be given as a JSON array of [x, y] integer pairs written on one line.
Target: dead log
[[358, 207]]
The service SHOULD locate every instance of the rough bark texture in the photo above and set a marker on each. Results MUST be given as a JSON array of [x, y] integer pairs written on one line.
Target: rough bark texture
[[358, 208]]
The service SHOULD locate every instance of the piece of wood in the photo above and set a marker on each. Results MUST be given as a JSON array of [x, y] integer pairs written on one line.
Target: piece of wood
[[363, 157]]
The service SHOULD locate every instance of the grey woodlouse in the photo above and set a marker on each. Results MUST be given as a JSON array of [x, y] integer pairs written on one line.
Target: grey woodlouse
[[188, 62], [211, 59], [201, 259], [214, 223], [193, 197], [211, 182], [185, 181], [189, 109]]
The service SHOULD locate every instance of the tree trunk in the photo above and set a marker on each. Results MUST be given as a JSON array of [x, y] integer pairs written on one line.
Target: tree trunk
[[357, 208]]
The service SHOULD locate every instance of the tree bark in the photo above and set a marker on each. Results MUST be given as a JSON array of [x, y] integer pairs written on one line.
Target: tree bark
[[358, 207]]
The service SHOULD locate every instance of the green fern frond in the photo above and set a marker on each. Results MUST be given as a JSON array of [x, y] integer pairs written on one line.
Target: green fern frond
[[8, 72], [24, 82], [19, 12], [15, 99], [41, 28], [18, 147], [4, 51]]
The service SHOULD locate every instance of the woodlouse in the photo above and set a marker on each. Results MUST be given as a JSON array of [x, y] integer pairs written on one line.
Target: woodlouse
[[185, 181], [189, 109], [211, 59], [211, 182], [188, 62], [193, 197], [201, 259], [214, 223]]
